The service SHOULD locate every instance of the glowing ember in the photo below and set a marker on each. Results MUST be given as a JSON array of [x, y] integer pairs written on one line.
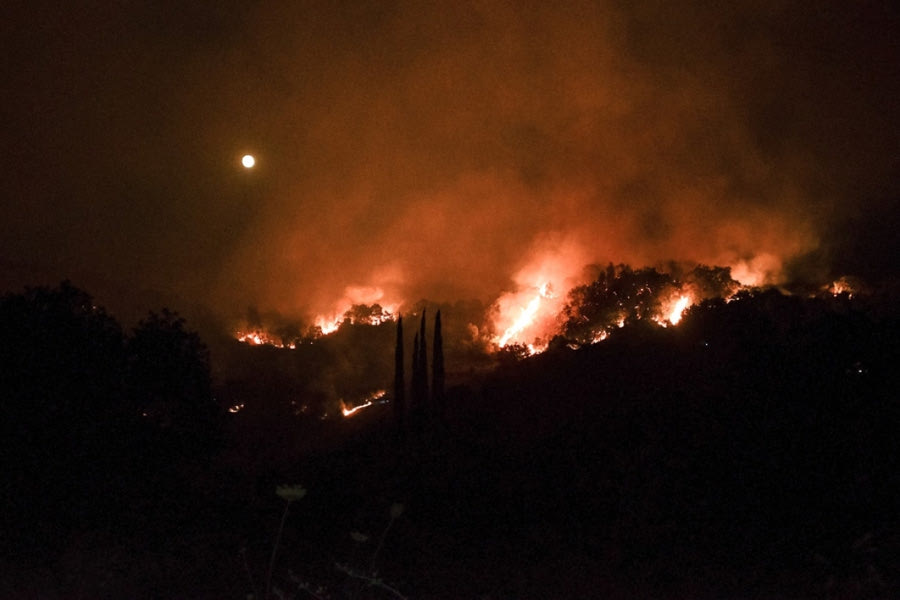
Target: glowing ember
[[845, 285], [356, 314], [254, 338], [374, 398], [349, 412], [260, 338]]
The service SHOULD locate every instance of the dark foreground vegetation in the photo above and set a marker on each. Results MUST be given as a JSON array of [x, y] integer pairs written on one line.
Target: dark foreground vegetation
[[753, 451]]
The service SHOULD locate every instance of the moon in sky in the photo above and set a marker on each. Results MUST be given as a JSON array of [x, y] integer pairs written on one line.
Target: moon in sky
[[248, 161]]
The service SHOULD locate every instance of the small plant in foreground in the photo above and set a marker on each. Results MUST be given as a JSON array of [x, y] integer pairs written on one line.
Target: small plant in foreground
[[362, 578], [290, 494]]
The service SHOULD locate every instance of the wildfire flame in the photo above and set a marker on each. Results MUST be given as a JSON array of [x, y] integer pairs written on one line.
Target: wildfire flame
[[260, 338], [526, 318], [534, 311], [328, 325], [845, 285], [355, 297], [528, 314], [676, 312], [374, 398]]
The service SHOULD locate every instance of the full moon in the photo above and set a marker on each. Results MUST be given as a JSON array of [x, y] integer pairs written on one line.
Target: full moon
[[248, 161]]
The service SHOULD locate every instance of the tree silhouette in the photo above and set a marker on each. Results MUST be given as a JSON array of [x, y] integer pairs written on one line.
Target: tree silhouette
[[415, 400], [437, 367], [618, 295], [64, 421], [399, 378], [169, 378], [422, 366]]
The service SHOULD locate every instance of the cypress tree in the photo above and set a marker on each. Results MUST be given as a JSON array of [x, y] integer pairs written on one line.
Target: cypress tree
[[415, 400], [423, 364], [437, 367], [399, 377]]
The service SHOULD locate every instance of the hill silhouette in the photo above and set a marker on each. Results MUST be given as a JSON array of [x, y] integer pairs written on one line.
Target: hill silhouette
[[750, 451]]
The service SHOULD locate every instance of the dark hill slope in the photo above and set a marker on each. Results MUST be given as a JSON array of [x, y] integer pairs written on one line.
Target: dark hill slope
[[752, 450]]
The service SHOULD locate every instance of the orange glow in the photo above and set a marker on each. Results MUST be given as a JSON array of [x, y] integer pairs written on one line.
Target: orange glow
[[328, 324], [678, 310], [762, 269], [349, 412], [528, 315], [374, 398], [536, 310], [526, 318], [357, 296], [844, 285], [259, 338], [600, 336]]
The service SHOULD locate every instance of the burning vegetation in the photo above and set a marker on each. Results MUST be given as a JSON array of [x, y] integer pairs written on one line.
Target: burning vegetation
[[620, 295], [533, 315], [342, 368], [289, 336]]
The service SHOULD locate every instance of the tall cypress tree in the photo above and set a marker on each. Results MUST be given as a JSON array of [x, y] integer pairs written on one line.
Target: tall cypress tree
[[415, 400], [399, 377], [423, 364], [437, 367]]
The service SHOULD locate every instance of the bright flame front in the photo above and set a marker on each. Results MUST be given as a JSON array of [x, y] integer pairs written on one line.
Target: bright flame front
[[374, 398], [527, 316]]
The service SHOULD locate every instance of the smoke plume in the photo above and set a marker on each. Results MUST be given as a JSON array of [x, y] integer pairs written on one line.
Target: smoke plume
[[447, 151]]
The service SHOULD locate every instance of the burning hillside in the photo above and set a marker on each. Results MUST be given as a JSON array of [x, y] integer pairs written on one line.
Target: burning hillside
[[554, 303]]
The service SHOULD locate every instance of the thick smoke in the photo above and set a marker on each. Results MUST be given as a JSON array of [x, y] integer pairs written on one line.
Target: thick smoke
[[411, 150], [434, 152]]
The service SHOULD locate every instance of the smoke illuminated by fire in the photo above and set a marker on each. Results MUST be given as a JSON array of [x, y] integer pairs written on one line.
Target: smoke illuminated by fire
[[438, 151], [495, 167], [449, 169]]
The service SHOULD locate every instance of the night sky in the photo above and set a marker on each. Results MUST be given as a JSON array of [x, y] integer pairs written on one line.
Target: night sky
[[410, 150]]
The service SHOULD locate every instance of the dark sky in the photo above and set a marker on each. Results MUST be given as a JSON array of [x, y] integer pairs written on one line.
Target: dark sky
[[414, 150]]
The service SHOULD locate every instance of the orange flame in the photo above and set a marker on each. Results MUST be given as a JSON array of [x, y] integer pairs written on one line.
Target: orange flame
[[529, 314], [526, 318], [355, 296], [678, 310], [260, 338], [374, 398], [328, 324]]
